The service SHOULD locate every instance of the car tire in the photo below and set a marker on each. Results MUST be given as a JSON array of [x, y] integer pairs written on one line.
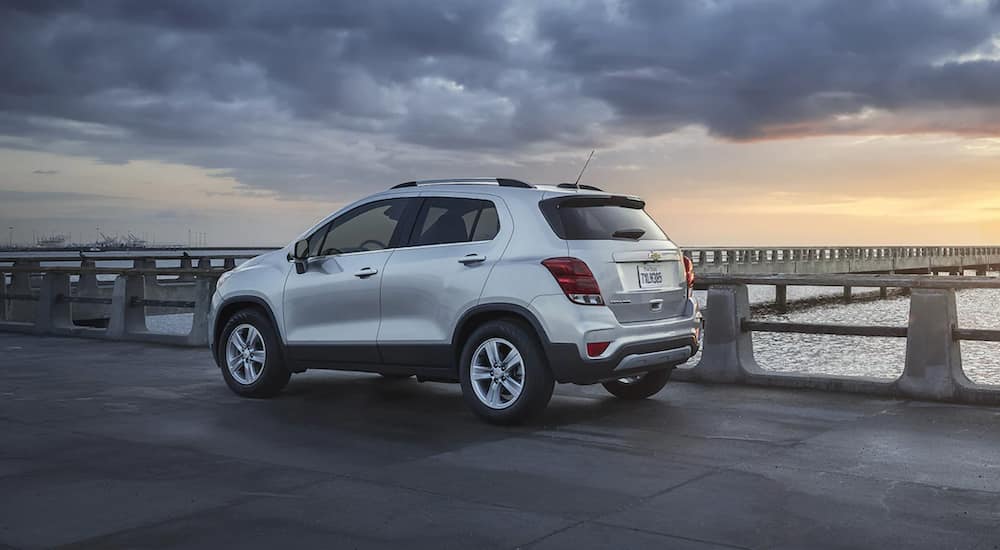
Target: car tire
[[489, 389], [639, 387], [261, 372]]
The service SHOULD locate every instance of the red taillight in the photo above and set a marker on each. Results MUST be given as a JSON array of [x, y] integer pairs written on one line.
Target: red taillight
[[596, 348], [576, 280], [689, 271]]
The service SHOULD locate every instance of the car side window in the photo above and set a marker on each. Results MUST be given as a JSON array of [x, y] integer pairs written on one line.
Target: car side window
[[316, 239], [443, 220], [368, 227]]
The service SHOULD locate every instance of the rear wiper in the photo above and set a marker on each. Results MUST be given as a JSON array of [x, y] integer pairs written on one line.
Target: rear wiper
[[634, 234]]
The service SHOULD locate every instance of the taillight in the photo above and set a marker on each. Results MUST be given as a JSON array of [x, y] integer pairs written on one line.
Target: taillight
[[689, 272], [576, 280]]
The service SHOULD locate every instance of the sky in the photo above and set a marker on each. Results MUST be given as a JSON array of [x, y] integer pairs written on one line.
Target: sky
[[848, 122]]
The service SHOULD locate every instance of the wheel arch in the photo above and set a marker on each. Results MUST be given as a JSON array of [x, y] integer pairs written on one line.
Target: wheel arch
[[483, 313], [230, 306]]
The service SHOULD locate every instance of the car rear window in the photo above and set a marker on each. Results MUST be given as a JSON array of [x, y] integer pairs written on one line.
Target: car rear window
[[599, 218]]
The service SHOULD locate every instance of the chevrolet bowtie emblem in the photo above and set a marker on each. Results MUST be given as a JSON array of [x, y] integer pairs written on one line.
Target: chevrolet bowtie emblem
[[655, 256]]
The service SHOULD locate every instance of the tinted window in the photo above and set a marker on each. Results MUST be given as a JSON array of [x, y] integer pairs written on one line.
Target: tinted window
[[599, 220], [369, 227], [316, 239], [452, 220]]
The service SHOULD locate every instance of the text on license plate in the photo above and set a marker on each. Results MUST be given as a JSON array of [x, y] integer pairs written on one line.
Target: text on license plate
[[650, 276]]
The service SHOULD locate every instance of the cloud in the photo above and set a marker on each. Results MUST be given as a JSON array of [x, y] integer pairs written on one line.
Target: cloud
[[311, 97], [14, 195], [45, 172]]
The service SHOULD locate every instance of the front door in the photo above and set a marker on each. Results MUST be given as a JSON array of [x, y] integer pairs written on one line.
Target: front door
[[332, 309]]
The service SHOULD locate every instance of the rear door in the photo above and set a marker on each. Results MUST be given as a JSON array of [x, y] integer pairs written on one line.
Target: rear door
[[639, 270], [439, 274]]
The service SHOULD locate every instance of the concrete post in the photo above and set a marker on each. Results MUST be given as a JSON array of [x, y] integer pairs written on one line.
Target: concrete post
[[203, 263], [20, 283], [150, 279], [3, 296], [51, 313], [229, 263], [87, 286], [848, 294], [883, 292], [186, 264], [126, 318], [203, 291], [933, 357], [781, 297], [727, 352]]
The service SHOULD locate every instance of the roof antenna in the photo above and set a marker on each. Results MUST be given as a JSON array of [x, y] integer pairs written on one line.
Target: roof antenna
[[577, 182]]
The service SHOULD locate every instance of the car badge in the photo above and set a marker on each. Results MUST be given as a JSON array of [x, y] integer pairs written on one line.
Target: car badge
[[655, 256]]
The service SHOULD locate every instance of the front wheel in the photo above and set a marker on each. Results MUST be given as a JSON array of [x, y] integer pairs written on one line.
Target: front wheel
[[250, 356], [639, 387], [505, 377]]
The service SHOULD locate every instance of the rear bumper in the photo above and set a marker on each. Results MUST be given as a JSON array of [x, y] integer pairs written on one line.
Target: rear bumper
[[630, 359], [634, 348]]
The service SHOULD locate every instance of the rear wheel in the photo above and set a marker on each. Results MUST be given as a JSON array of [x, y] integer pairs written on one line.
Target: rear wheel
[[639, 387], [505, 377], [250, 355]]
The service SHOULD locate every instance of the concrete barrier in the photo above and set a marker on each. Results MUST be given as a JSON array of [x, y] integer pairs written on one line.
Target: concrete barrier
[[933, 369], [53, 307]]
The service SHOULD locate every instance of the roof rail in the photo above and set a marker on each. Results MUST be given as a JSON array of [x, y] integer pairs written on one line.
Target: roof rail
[[502, 182], [581, 186]]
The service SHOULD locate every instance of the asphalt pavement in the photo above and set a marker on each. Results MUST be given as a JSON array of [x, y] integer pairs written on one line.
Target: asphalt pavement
[[126, 445]]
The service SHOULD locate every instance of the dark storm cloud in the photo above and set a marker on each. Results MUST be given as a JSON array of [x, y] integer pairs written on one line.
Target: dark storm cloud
[[740, 67], [255, 88]]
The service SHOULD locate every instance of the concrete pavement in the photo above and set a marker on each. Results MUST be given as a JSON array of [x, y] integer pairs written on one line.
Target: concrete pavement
[[127, 445]]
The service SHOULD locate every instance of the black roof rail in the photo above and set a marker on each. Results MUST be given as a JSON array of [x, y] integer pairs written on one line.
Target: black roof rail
[[506, 182], [502, 182], [581, 186]]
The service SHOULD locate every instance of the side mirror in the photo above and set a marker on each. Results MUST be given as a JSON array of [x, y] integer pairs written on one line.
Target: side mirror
[[300, 255]]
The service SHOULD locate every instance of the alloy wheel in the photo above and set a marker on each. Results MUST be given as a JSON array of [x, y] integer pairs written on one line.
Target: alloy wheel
[[497, 373], [245, 354]]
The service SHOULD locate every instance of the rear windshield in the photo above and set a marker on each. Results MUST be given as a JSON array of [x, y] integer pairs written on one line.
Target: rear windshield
[[600, 219]]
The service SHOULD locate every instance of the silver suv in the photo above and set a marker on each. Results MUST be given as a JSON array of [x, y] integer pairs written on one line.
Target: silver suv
[[500, 285]]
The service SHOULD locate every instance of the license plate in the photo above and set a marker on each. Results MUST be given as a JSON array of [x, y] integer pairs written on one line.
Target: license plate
[[650, 276]]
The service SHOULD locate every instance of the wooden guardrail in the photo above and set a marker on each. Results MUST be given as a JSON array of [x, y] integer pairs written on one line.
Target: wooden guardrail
[[933, 364]]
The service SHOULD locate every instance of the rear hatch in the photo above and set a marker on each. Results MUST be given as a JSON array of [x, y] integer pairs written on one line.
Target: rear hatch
[[640, 272]]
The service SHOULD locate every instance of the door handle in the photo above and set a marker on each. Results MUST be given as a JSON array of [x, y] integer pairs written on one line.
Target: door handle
[[472, 259], [365, 272]]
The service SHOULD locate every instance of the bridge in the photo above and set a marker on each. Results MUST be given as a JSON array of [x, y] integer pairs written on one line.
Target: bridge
[[845, 259], [126, 441]]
